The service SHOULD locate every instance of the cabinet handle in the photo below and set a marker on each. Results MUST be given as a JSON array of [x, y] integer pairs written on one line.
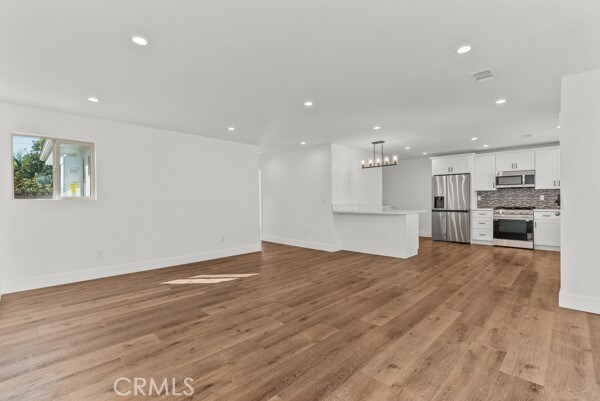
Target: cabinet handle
[[559, 183], [535, 224], [482, 235], [481, 224], [554, 183], [546, 215]]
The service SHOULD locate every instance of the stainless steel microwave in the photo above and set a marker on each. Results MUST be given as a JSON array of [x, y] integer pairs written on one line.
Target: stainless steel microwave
[[515, 179]]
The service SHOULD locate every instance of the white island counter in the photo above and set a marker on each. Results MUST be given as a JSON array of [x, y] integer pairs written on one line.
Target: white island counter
[[392, 233]]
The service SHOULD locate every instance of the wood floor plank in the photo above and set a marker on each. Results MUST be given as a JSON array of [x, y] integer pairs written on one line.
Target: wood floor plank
[[529, 347], [594, 327], [571, 373], [392, 362], [428, 372], [455, 323]]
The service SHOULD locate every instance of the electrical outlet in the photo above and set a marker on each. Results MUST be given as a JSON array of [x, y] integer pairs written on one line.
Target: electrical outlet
[[322, 201], [100, 255], [306, 233], [542, 197], [478, 197], [222, 240]]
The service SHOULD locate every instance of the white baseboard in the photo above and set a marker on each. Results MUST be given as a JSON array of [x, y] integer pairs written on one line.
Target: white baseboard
[[108, 271], [546, 248], [425, 234], [577, 302], [320, 246]]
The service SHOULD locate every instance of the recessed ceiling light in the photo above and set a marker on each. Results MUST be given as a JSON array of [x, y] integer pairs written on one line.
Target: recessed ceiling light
[[463, 49], [308, 103], [500, 101], [377, 127], [474, 138], [558, 126], [302, 143], [424, 153], [485, 146], [407, 148], [93, 99], [140, 41], [231, 129]]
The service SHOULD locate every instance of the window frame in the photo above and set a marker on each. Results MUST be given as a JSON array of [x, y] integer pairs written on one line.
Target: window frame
[[56, 184]]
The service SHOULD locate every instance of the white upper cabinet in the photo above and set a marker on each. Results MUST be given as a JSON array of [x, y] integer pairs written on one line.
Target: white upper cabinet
[[440, 166], [514, 161], [547, 169], [450, 165], [505, 161], [525, 160], [485, 173], [460, 165]]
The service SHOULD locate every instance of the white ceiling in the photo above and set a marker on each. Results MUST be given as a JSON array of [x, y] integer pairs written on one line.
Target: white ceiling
[[253, 63]]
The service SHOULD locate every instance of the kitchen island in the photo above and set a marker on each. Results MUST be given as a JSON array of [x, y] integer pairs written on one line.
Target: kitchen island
[[392, 233]]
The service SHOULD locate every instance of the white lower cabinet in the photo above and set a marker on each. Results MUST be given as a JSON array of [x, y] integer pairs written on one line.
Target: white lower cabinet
[[483, 235], [546, 230], [482, 226]]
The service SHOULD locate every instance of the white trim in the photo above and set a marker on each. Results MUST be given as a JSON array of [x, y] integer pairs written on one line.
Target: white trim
[[480, 242], [546, 248], [578, 302], [109, 271], [425, 234], [320, 246]]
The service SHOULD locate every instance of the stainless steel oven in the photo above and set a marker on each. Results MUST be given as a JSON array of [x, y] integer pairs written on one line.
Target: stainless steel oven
[[515, 179], [513, 228]]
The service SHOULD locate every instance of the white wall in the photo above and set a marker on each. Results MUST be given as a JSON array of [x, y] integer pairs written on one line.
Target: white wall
[[351, 183], [408, 186], [580, 191], [299, 187], [296, 198], [164, 198]]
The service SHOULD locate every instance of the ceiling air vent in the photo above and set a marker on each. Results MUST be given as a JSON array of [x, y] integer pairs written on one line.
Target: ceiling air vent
[[482, 76]]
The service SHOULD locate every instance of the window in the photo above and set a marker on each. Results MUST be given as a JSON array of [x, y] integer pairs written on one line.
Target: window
[[52, 168]]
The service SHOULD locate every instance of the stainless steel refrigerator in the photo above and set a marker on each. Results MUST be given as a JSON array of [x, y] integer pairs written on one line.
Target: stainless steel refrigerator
[[450, 217]]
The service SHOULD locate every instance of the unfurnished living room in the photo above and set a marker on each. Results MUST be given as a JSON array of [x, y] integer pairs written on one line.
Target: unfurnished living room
[[276, 200]]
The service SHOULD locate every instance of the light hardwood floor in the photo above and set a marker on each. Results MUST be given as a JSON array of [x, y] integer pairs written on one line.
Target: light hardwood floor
[[456, 323]]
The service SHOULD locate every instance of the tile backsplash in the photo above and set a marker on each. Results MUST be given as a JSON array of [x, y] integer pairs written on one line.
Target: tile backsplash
[[519, 197]]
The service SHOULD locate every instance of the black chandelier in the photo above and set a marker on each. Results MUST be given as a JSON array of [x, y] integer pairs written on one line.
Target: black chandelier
[[383, 161]]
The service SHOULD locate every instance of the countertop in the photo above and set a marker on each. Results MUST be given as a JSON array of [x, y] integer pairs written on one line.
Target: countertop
[[379, 212], [535, 210]]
